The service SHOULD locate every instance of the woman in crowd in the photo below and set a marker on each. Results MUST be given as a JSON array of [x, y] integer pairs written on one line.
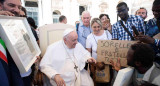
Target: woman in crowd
[[92, 40], [106, 22]]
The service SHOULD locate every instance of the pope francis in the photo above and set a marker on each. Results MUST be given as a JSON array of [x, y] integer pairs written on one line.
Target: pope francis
[[64, 62]]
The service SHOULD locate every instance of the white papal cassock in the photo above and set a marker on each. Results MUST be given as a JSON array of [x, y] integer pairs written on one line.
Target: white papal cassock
[[59, 59]]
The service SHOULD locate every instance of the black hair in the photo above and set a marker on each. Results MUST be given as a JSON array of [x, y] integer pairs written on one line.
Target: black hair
[[2, 1], [101, 15], [121, 4], [61, 18], [32, 22], [24, 10], [143, 53], [156, 2]]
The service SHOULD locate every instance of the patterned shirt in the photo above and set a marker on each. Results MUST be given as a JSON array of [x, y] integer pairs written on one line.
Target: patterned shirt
[[118, 31], [151, 27], [83, 32]]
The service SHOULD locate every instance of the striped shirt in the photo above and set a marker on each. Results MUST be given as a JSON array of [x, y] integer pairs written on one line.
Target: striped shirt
[[118, 31], [152, 28]]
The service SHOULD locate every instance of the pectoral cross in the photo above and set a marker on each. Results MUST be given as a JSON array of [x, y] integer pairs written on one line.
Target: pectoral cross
[[76, 67]]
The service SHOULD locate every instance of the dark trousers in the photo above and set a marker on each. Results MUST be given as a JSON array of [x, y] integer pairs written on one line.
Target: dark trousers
[[27, 80], [86, 66]]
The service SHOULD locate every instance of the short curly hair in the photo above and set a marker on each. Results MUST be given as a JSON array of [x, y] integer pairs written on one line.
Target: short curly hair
[[2, 1], [121, 4], [143, 53], [156, 2]]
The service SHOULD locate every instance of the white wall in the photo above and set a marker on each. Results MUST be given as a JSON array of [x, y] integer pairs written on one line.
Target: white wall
[[71, 9]]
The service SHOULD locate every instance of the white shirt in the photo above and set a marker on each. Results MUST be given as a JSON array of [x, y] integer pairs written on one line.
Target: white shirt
[[92, 41]]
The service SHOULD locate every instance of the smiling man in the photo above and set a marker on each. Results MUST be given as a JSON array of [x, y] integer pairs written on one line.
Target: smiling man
[[10, 7], [64, 62], [122, 29], [84, 28], [153, 25]]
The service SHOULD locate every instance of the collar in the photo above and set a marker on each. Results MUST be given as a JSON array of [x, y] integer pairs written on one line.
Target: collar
[[65, 46], [148, 73], [81, 25]]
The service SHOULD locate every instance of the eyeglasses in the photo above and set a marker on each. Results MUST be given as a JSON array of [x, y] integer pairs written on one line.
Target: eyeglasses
[[123, 10]]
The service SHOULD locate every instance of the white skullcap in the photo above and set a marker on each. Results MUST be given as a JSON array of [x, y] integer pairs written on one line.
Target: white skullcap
[[67, 31]]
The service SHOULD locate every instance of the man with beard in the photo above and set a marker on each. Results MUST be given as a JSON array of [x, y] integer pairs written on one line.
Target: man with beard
[[10, 7], [142, 12], [153, 28], [13, 8], [12, 74], [146, 73], [122, 30]]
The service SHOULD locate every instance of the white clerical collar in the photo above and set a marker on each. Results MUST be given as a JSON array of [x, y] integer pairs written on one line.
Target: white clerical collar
[[67, 49], [148, 73]]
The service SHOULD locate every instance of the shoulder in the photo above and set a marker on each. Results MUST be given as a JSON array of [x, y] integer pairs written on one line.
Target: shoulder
[[80, 24], [79, 46], [90, 36], [153, 20], [116, 24], [55, 45], [136, 17]]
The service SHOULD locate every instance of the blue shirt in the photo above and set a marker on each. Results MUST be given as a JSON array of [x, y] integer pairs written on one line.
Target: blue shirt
[[118, 31], [151, 27], [83, 32]]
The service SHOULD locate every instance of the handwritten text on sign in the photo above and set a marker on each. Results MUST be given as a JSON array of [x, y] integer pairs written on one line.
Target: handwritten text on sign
[[112, 49]]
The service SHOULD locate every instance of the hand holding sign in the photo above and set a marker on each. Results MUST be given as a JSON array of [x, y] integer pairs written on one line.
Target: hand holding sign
[[116, 65], [112, 49]]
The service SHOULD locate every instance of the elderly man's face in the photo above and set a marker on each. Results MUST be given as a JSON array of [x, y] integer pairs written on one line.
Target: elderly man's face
[[13, 6], [142, 13], [71, 40], [86, 19], [156, 11], [122, 12]]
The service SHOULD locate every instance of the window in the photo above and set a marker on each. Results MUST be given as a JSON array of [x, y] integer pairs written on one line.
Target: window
[[33, 12]]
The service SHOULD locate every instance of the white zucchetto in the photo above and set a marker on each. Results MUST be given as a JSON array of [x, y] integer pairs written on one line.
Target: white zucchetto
[[67, 31]]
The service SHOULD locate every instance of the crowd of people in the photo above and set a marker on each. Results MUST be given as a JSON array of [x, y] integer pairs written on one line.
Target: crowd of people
[[66, 62]]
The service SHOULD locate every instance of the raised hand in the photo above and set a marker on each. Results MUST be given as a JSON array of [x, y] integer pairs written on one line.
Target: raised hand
[[91, 60], [7, 13], [116, 65]]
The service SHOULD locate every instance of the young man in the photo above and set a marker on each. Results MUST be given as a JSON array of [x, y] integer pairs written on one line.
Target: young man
[[147, 72], [153, 28], [122, 30], [153, 25]]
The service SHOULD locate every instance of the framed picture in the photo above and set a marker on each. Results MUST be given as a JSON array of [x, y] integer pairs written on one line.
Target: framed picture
[[19, 40], [51, 33]]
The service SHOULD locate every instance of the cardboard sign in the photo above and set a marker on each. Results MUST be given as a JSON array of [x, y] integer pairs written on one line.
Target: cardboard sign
[[112, 49], [157, 36]]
